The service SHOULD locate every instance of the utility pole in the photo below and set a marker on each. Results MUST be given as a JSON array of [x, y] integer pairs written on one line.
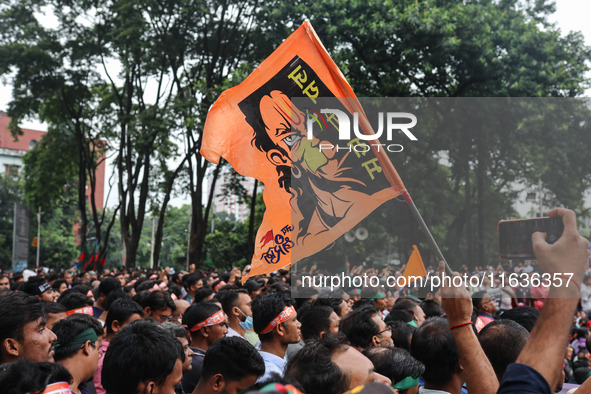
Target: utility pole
[[38, 237]]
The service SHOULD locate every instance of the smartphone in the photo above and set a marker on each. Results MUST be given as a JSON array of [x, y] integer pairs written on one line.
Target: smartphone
[[515, 236]]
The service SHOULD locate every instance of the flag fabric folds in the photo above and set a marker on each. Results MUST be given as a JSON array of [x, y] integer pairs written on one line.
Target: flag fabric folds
[[414, 267], [312, 195]]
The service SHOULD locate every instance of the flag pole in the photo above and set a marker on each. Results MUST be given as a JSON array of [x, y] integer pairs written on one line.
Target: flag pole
[[423, 226], [397, 184]]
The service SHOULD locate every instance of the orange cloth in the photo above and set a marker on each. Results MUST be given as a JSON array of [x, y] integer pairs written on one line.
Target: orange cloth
[[415, 266]]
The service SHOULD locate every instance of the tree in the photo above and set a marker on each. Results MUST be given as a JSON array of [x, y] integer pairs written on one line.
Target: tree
[[10, 193], [55, 78]]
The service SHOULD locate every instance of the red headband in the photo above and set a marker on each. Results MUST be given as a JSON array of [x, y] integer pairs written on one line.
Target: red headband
[[285, 314], [216, 318], [87, 310]]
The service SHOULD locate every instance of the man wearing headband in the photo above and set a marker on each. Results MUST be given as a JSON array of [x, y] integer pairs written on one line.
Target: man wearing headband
[[77, 348], [22, 329], [277, 326], [37, 286], [206, 323]]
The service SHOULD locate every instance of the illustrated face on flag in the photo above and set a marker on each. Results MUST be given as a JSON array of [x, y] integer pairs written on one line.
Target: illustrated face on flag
[[312, 195]]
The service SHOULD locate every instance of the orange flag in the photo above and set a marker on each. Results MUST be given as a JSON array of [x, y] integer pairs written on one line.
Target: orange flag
[[314, 191], [415, 266]]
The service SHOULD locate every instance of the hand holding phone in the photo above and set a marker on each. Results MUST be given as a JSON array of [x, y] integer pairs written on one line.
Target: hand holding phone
[[515, 236]]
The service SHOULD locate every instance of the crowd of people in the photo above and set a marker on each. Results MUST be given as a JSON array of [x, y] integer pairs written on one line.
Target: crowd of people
[[158, 332]]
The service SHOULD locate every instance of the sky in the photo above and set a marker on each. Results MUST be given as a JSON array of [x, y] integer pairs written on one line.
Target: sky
[[571, 15]]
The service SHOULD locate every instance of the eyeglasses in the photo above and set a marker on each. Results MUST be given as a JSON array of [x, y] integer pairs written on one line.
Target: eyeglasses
[[384, 330], [165, 318]]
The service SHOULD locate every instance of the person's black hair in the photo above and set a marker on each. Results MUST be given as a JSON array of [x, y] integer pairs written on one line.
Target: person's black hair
[[146, 285], [233, 358], [581, 374], [141, 298], [53, 307], [80, 288], [225, 276], [265, 308], [32, 285], [524, 315], [433, 344], [192, 279], [142, 351], [252, 285], [359, 327], [362, 303], [24, 376], [315, 319], [431, 308], [57, 284], [74, 300], [16, 310], [228, 298], [138, 282], [121, 310], [108, 285], [405, 304], [313, 369], [175, 289], [51, 277], [477, 300], [68, 328], [333, 299], [402, 333], [279, 287], [174, 278], [157, 300], [502, 341], [113, 296], [395, 364], [196, 313], [202, 293], [175, 329], [401, 315]]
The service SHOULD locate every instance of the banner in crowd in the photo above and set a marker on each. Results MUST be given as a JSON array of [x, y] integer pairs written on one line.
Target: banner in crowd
[[314, 191]]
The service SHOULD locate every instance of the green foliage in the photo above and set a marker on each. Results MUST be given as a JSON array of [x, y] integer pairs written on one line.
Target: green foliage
[[10, 193], [58, 241], [49, 168], [226, 246]]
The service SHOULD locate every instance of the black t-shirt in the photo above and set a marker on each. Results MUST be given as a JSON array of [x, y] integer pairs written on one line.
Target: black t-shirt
[[521, 378]]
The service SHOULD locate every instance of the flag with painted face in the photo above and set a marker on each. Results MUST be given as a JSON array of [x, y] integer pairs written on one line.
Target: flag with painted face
[[275, 127]]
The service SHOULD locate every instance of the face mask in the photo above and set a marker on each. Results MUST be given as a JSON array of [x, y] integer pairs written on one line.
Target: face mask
[[247, 323]]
